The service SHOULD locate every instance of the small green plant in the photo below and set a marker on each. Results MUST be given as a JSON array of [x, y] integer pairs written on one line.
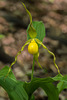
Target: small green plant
[[19, 90]]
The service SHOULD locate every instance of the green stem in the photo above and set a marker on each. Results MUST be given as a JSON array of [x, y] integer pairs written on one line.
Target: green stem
[[33, 68]]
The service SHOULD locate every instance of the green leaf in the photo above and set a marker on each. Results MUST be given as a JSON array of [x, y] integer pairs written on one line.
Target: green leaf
[[4, 71], [62, 84], [1, 36], [45, 84], [57, 77], [32, 97], [40, 30], [13, 87]]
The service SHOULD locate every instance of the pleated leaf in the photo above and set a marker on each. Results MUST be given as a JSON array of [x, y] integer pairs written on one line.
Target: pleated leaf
[[46, 84], [13, 87]]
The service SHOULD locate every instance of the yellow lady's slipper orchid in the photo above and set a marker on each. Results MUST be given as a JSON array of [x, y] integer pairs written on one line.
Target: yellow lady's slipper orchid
[[33, 47]]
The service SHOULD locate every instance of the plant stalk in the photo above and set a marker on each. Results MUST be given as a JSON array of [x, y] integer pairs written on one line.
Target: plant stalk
[[32, 68]]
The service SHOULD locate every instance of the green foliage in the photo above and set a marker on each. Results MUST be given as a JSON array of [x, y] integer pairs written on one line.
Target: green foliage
[[13, 87], [32, 97], [40, 30], [1, 36], [62, 84], [3, 73], [45, 84], [18, 90]]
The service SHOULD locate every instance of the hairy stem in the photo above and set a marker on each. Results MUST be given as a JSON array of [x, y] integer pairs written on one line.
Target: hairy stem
[[33, 67]]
